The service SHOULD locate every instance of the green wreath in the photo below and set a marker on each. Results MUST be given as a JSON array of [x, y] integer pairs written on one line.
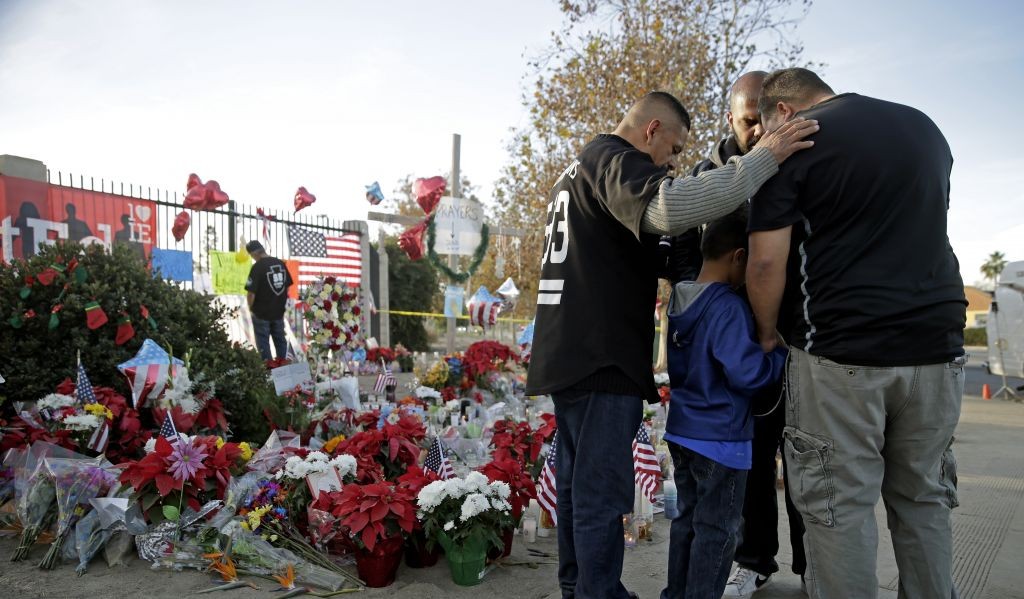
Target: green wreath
[[474, 264]]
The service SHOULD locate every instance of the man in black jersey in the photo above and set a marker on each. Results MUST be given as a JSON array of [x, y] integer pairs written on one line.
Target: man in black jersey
[[593, 337], [855, 234]]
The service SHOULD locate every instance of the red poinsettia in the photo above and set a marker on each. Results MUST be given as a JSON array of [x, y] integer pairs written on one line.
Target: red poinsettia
[[377, 354], [18, 433], [155, 472], [376, 516], [516, 441], [486, 356], [519, 481], [127, 436], [415, 478]]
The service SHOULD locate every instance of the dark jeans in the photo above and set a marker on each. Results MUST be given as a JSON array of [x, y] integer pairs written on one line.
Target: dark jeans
[[703, 537], [594, 474], [264, 330], [759, 534]]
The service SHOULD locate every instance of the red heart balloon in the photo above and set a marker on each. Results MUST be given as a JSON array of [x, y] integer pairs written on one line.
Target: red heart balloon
[[214, 197], [428, 192], [194, 197], [181, 224], [303, 198], [411, 241], [193, 180]]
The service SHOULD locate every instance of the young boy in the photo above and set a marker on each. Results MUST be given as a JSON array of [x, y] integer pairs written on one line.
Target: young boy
[[715, 366]]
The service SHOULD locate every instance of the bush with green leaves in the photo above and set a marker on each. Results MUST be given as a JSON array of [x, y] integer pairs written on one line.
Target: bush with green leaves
[[35, 356], [412, 286]]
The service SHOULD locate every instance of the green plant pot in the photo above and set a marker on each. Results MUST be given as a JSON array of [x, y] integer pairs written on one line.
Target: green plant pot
[[467, 566]]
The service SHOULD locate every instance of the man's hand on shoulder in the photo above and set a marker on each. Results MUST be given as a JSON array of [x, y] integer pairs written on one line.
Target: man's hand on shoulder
[[789, 138]]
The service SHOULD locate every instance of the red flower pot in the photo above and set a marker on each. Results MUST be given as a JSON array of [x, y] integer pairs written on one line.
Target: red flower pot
[[506, 537], [416, 553], [378, 570]]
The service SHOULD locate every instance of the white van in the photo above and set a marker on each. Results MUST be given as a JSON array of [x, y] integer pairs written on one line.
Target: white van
[[1005, 325]]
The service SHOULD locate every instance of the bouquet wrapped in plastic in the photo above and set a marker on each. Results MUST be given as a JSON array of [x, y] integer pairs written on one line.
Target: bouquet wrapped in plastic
[[35, 494], [76, 482], [109, 515]]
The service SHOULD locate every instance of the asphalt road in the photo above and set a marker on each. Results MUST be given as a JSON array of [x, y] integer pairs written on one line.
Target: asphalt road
[[977, 376]]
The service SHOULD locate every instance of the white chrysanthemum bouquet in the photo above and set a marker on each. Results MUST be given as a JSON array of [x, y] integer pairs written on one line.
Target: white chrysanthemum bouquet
[[467, 513]]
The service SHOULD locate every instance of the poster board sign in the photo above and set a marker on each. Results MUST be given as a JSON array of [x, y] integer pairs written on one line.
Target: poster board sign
[[457, 223], [327, 481], [290, 376]]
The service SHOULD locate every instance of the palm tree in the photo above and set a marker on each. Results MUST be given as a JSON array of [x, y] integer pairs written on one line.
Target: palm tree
[[993, 266]]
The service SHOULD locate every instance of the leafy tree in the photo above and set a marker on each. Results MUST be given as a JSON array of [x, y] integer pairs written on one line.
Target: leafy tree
[[34, 358], [412, 286], [609, 53], [994, 266]]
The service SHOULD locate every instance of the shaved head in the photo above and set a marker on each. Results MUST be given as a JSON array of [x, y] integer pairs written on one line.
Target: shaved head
[[660, 106], [742, 116], [657, 125]]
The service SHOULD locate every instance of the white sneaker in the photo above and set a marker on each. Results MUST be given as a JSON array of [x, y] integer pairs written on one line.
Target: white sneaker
[[744, 583]]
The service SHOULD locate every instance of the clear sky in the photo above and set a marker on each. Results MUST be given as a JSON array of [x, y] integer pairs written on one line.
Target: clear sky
[[266, 96]]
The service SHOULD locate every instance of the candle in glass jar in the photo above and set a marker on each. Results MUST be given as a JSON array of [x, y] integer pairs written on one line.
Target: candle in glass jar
[[530, 529]]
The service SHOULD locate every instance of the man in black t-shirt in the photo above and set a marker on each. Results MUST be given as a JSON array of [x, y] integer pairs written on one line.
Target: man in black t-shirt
[[267, 285], [593, 337], [848, 250]]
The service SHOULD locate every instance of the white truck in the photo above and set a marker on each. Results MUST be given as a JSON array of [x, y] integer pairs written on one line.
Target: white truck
[[1005, 324]]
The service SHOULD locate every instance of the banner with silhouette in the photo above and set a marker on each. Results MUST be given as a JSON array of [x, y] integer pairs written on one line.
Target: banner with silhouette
[[32, 212]]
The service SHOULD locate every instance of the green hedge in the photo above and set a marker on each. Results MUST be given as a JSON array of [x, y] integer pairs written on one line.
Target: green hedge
[[976, 337], [34, 358]]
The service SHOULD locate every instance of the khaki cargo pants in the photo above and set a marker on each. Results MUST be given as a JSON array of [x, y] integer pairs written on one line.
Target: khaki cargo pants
[[854, 433]]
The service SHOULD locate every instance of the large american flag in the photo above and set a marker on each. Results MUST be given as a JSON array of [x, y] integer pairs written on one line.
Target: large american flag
[[547, 494], [646, 471], [437, 460], [322, 255]]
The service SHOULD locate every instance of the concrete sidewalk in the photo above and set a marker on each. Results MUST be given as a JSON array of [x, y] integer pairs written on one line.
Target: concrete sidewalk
[[988, 527]]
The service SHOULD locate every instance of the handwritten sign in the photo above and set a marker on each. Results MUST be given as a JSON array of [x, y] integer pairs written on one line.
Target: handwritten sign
[[457, 223]]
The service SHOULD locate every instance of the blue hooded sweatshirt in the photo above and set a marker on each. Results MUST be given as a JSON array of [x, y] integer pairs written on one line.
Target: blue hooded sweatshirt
[[715, 365]]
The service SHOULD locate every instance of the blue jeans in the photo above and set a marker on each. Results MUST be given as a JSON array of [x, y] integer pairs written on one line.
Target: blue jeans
[[264, 330], [594, 474], [703, 537]]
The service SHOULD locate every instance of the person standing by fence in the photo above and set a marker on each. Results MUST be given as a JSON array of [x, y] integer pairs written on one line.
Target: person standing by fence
[[267, 285]]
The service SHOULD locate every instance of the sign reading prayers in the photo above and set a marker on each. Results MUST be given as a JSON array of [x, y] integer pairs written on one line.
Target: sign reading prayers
[[457, 223]]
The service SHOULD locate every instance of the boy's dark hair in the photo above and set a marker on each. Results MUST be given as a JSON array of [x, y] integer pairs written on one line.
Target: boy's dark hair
[[725, 235]]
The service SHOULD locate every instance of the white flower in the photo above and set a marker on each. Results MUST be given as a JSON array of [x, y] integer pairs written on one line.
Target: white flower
[[431, 495], [428, 392], [455, 487], [55, 401], [477, 483], [449, 525], [501, 489], [151, 445], [475, 504], [501, 504], [345, 465], [82, 422], [317, 456], [661, 378], [452, 405]]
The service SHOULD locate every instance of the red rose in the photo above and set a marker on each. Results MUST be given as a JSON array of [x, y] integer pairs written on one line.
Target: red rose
[[356, 310], [327, 305]]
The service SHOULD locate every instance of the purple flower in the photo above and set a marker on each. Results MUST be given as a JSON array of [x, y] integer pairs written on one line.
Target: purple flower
[[185, 460]]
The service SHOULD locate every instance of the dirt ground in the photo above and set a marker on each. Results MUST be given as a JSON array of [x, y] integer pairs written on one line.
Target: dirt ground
[[645, 567]]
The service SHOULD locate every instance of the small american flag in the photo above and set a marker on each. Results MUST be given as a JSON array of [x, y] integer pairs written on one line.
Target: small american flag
[[437, 460], [100, 437], [83, 388], [646, 471], [547, 494], [321, 256], [167, 430], [385, 379]]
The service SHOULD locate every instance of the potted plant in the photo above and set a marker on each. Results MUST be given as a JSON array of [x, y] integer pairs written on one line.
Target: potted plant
[[420, 551], [465, 515], [522, 489], [376, 518]]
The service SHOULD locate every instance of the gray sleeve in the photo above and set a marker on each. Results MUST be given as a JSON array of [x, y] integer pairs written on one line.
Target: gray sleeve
[[686, 202]]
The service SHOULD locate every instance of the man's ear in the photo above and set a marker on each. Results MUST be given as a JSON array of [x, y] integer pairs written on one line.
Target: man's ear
[[651, 128], [740, 256]]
